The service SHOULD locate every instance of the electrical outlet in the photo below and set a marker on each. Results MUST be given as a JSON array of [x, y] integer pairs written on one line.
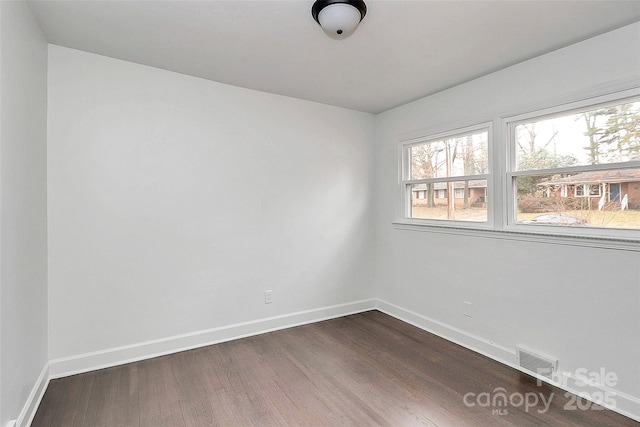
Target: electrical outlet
[[466, 308], [268, 297]]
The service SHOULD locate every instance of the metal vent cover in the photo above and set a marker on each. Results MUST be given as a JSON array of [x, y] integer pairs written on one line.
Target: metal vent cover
[[538, 363]]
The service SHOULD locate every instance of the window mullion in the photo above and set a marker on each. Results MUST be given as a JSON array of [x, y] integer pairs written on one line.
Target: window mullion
[[450, 179], [576, 169]]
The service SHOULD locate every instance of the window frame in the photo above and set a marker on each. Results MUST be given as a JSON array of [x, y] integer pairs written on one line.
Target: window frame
[[405, 182], [500, 216], [509, 182]]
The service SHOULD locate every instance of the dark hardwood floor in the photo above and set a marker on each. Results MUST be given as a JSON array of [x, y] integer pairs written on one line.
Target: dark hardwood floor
[[367, 369]]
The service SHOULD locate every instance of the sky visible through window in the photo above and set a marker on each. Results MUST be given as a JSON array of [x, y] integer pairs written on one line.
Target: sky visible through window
[[600, 136], [450, 157]]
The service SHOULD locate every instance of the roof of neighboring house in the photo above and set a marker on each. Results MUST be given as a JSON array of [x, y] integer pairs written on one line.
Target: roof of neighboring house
[[597, 177], [474, 183]]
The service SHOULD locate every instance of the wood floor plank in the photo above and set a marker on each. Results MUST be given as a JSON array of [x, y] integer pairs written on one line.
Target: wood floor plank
[[170, 410], [367, 369], [149, 403], [194, 402], [322, 407], [77, 392], [126, 410], [247, 379], [102, 397]]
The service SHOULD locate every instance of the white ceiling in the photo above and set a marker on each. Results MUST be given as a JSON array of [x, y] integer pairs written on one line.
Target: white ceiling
[[402, 51]]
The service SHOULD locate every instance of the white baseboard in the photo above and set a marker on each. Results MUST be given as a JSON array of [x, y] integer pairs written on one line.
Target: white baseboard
[[625, 404], [131, 353], [33, 401]]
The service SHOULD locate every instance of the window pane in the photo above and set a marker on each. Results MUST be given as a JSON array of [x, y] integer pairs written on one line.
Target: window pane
[[600, 136], [470, 206], [462, 155], [609, 198]]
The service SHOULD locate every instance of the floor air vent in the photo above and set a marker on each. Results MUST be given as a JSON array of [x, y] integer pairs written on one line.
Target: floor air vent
[[538, 363]]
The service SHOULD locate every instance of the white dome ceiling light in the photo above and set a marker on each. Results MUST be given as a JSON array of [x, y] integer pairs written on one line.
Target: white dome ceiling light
[[338, 18]]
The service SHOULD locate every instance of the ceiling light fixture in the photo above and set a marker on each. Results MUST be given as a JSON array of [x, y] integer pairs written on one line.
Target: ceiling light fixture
[[338, 18]]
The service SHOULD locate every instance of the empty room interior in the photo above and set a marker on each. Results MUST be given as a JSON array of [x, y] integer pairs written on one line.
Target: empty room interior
[[319, 213]]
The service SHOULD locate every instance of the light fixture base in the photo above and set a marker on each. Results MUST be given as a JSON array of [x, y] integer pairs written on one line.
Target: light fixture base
[[339, 18]]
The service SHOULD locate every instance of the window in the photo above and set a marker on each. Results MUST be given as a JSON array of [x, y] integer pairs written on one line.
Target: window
[[565, 167], [584, 190], [453, 170], [564, 173]]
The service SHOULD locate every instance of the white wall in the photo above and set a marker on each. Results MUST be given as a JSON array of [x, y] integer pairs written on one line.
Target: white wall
[[577, 303], [23, 196], [175, 202]]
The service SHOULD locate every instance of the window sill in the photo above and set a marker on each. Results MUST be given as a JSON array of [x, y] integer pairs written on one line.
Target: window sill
[[623, 244]]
